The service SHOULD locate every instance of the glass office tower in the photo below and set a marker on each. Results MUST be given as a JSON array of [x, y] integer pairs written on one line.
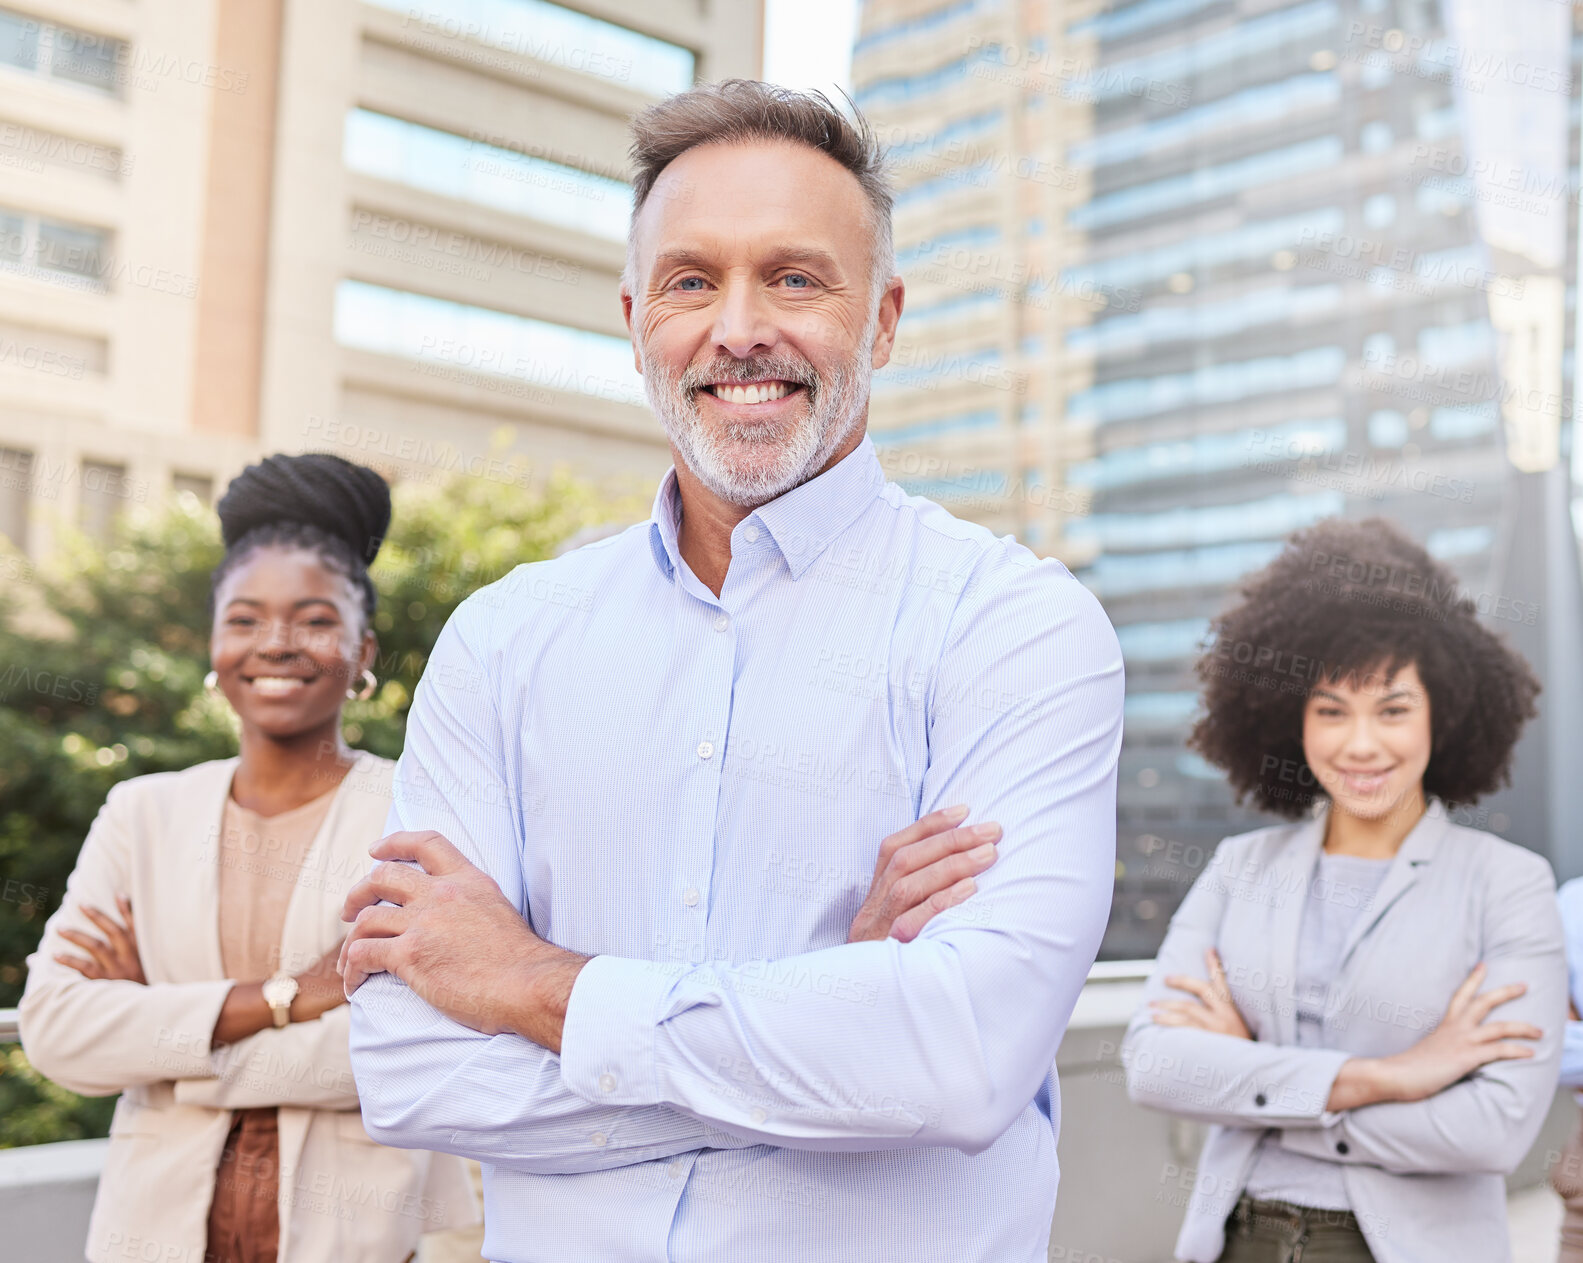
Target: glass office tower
[[1266, 237]]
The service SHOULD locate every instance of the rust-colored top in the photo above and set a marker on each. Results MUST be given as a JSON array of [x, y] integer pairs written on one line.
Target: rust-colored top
[[260, 864]]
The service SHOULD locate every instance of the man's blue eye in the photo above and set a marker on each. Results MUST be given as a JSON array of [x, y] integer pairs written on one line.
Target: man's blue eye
[[798, 281], [693, 283]]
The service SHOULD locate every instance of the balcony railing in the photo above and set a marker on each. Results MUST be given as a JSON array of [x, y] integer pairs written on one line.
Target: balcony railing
[[1125, 1171]]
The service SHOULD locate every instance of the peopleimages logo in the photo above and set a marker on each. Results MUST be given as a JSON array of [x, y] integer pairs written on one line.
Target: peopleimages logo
[[49, 147], [1473, 68], [1358, 473], [1412, 591]]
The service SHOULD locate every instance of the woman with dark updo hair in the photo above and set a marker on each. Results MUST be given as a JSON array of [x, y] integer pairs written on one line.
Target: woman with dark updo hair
[[1367, 1003], [191, 965]]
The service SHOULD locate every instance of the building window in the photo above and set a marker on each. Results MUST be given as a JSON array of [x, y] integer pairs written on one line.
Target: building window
[[1251, 109], [897, 435], [912, 27], [34, 149], [1264, 450], [916, 369], [451, 339], [925, 148], [1170, 67], [1253, 309], [105, 488], [1387, 428], [61, 52], [949, 249], [16, 478], [1207, 524], [1249, 241], [1204, 184], [1166, 641], [472, 171], [1158, 710], [562, 37], [1124, 574], [1135, 18], [1211, 384], [1459, 541], [53, 250], [1457, 424]]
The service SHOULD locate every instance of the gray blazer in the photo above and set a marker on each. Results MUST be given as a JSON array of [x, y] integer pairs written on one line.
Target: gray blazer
[[1424, 1179]]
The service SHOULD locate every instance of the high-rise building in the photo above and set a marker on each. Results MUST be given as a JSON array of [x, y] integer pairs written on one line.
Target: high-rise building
[[967, 412], [391, 230], [1242, 266]]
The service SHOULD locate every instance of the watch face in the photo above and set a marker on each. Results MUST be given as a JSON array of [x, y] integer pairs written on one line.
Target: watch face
[[278, 991]]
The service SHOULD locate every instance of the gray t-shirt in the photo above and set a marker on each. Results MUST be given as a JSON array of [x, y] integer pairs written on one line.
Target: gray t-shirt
[[1342, 890]]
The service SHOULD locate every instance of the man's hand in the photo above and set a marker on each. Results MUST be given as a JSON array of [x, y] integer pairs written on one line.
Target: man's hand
[[456, 941], [923, 870]]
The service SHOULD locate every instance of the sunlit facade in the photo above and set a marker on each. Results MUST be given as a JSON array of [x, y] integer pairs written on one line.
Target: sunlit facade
[[387, 230], [965, 412]]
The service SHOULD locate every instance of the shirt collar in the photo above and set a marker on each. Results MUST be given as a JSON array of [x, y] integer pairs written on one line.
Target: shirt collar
[[802, 522], [662, 525]]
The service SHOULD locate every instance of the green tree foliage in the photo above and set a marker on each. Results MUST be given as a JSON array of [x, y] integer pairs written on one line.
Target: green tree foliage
[[102, 660]]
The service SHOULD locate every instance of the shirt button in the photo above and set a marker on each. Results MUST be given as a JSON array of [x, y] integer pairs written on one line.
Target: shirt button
[[690, 896], [607, 1082], [706, 749], [1343, 1147], [751, 534], [722, 622], [599, 1138], [1259, 1099], [676, 1170], [758, 1114]]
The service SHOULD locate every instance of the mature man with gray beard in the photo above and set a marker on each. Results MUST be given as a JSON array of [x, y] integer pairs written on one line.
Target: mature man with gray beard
[[737, 897]]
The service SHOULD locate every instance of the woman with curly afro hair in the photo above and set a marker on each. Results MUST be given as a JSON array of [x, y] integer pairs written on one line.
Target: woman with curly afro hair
[[1366, 1003]]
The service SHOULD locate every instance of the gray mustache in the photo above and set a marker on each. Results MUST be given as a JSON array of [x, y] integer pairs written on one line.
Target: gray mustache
[[750, 371]]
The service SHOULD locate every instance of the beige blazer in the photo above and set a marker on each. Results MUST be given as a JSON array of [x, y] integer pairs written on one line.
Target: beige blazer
[[1425, 1178], [343, 1198]]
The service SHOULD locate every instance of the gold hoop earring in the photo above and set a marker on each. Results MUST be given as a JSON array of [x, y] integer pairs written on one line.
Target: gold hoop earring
[[212, 681], [370, 683]]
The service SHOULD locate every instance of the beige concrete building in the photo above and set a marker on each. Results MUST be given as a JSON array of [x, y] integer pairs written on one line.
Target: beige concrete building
[[386, 229]]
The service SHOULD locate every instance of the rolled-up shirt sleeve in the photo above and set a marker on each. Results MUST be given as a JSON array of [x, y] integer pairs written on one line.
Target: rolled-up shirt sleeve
[[945, 1040]]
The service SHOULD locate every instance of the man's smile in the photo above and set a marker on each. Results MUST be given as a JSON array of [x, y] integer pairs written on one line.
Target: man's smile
[[760, 392]]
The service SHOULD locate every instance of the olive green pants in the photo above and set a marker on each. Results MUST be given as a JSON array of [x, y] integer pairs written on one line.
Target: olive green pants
[[1278, 1232]]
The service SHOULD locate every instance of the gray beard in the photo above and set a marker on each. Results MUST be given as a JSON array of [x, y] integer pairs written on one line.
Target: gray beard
[[833, 408]]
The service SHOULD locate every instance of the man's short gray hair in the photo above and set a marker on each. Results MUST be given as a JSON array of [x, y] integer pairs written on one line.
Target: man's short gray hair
[[736, 110]]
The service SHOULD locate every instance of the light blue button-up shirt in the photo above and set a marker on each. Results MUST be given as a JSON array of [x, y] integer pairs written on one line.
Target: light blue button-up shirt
[[693, 790]]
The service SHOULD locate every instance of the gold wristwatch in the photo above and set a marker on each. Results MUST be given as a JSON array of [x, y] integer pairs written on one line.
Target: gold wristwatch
[[279, 991]]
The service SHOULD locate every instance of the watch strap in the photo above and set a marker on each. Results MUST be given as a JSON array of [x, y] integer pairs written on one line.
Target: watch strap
[[279, 991]]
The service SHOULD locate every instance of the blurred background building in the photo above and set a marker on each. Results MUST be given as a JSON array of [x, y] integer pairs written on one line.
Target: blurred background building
[[1183, 276], [1187, 275], [390, 230]]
